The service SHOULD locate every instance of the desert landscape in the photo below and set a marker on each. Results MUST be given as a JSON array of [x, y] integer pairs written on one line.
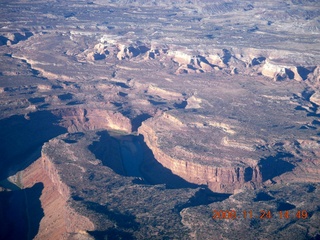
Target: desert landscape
[[137, 119]]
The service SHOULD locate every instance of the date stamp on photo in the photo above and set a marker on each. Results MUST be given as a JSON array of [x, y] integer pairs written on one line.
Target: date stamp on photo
[[262, 214]]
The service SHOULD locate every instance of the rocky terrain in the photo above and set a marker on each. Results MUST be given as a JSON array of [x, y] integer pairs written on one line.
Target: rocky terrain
[[160, 119]]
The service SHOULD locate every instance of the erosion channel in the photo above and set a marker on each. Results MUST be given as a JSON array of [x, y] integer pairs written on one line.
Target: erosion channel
[[128, 155]]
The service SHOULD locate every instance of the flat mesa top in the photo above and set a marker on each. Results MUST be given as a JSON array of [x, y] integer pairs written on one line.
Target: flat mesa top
[[278, 28], [232, 120], [206, 66]]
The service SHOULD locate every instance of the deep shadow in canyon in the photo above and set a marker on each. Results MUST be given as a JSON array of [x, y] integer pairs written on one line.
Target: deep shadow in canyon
[[112, 234], [137, 121], [139, 162], [21, 213], [110, 151], [126, 223], [203, 197], [21, 140], [274, 166], [154, 173]]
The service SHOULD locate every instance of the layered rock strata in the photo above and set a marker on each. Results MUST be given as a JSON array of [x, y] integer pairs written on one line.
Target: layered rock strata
[[230, 153], [82, 119], [220, 175], [120, 206], [60, 220]]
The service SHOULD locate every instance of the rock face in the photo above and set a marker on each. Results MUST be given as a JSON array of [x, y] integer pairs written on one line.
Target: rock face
[[53, 174], [216, 175], [226, 154], [315, 98], [14, 38], [78, 119], [60, 221], [71, 211]]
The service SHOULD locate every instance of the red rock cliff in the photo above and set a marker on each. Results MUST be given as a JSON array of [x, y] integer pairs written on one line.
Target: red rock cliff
[[79, 119], [218, 176], [60, 221]]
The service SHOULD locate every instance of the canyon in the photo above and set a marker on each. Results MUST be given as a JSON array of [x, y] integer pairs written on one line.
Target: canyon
[[139, 119]]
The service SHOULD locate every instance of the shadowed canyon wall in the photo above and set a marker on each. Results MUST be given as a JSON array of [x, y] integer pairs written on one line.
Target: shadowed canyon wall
[[218, 179], [60, 221]]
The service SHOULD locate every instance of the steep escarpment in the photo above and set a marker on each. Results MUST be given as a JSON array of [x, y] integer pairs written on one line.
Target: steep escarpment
[[83, 197], [14, 37], [53, 174], [83, 119], [249, 61], [60, 220], [220, 175], [227, 154]]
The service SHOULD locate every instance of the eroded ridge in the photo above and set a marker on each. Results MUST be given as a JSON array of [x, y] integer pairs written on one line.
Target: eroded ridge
[[70, 171]]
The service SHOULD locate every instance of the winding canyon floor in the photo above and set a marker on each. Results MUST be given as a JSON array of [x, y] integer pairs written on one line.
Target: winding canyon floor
[[160, 119]]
